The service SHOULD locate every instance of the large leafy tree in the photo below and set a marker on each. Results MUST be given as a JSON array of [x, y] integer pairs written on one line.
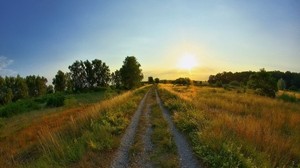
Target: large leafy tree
[[263, 83], [116, 79], [90, 73], [20, 88], [102, 72], [78, 75], [131, 74], [37, 85], [60, 81]]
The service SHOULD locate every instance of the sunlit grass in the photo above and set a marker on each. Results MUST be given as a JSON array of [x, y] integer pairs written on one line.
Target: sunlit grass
[[51, 137], [230, 128]]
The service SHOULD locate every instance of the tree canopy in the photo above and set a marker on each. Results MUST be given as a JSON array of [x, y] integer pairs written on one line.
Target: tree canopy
[[131, 74]]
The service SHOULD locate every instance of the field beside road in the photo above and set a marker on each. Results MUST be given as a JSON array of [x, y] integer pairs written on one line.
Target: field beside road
[[234, 129]]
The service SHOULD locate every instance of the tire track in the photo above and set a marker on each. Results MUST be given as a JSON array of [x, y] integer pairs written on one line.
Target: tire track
[[186, 157], [121, 159]]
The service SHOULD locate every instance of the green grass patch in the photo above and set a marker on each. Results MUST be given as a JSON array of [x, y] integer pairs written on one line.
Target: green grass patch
[[165, 151], [56, 100]]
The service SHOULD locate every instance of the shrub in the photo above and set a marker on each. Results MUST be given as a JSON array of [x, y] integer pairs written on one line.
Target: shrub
[[56, 100], [19, 107], [263, 84], [234, 83], [288, 98]]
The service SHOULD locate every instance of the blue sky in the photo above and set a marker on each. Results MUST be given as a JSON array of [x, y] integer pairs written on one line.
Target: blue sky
[[42, 36]]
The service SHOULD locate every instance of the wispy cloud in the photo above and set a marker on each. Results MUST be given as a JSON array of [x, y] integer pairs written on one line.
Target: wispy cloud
[[4, 64]]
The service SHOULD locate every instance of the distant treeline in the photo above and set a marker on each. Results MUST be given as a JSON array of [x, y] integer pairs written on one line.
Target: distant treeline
[[15, 88], [83, 76], [291, 80]]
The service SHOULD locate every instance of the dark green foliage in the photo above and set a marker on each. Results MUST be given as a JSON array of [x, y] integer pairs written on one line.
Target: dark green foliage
[[234, 83], [37, 85], [131, 74], [78, 75], [156, 80], [87, 75], [50, 89], [291, 79], [101, 73], [182, 81], [60, 81], [19, 107], [150, 80], [288, 98], [116, 79], [263, 83], [56, 100]]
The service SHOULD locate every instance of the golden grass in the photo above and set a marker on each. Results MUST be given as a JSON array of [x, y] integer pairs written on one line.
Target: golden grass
[[270, 126], [44, 128]]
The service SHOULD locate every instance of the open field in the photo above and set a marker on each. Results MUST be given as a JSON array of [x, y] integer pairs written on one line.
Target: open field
[[61, 136], [233, 129]]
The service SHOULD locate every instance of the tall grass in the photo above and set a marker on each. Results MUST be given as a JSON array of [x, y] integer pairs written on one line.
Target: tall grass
[[63, 138], [230, 129], [98, 129]]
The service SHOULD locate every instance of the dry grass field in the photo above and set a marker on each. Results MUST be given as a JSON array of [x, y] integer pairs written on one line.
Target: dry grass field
[[234, 129], [64, 136]]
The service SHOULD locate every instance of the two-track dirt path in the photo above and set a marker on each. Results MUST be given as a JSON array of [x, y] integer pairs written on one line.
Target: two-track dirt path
[[186, 157], [122, 158]]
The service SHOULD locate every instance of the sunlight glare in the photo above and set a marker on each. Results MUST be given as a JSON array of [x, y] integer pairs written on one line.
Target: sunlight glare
[[187, 62]]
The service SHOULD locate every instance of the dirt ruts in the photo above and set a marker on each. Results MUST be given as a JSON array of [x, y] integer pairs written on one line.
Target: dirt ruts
[[186, 157], [122, 157], [185, 154]]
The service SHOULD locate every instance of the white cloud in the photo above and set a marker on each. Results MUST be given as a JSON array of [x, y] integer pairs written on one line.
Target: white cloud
[[4, 63]]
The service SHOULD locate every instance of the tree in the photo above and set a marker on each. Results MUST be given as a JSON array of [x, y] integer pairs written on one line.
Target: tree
[[20, 89], [30, 81], [60, 81], [183, 81], [263, 83], [90, 73], [69, 82], [102, 73], [131, 74], [281, 84], [37, 85], [156, 80], [116, 79], [50, 89], [78, 75], [150, 80]]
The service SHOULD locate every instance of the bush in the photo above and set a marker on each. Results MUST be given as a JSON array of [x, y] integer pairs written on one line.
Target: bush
[[234, 83], [56, 100], [263, 84], [288, 98], [19, 107]]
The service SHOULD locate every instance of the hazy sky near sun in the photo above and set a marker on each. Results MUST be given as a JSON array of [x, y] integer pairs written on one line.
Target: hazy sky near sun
[[42, 36]]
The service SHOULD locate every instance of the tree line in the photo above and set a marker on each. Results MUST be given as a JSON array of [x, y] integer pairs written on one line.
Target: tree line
[[291, 80], [82, 76], [265, 82]]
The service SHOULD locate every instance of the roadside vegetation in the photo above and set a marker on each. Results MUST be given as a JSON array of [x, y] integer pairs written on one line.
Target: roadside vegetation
[[92, 129], [87, 114], [228, 128], [164, 151]]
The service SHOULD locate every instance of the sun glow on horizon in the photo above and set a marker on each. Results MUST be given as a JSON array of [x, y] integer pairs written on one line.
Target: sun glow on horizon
[[187, 62]]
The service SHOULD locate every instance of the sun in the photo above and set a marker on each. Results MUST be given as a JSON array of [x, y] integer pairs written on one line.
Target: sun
[[187, 62]]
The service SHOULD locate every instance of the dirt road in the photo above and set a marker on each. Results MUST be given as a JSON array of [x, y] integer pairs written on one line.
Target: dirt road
[[122, 157]]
